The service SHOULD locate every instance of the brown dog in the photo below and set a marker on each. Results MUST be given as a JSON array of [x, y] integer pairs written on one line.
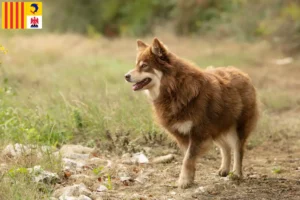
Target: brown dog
[[197, 106]]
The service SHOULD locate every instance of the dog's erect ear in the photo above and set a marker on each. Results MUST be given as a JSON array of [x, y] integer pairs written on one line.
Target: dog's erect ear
[[141, 45], [158, 48]]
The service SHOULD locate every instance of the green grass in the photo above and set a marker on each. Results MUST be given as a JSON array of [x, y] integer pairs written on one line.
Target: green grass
[[82, 96], [16, 182], [279, 100]]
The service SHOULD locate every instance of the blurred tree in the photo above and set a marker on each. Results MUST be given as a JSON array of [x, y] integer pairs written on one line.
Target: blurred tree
[[275, 20], [110, 18]]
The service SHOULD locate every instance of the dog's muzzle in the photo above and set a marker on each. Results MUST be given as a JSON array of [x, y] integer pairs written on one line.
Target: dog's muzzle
[[127, 77]]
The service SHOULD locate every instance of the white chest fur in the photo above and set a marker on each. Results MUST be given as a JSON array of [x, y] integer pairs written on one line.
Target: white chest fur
[[183, 127]]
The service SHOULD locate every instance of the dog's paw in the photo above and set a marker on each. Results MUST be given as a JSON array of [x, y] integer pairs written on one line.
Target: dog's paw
[[223, 172], [235, 175], [184, 183]]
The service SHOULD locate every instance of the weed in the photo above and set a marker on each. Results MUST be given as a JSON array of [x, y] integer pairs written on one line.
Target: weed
[[97, 170], [108, 182], [277, 170]]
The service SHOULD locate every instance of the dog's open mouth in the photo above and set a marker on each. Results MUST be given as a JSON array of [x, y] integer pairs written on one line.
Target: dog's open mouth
[[141, 84]]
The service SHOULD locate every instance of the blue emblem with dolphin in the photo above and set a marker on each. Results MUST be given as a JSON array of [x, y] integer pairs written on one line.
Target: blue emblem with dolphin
[[35, 8]]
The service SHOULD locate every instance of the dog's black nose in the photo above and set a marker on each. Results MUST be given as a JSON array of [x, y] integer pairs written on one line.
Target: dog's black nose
[[127, 77]]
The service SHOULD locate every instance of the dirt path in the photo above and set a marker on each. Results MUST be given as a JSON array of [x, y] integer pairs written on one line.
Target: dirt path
[[270, 172], [260, 182]]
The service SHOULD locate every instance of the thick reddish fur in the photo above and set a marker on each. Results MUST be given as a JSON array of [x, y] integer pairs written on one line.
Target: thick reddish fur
[[214, 100]]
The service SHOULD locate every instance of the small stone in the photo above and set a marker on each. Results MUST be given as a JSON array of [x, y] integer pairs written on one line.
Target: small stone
[[74, 190], [200, 190], [126, 159], [70, 164], [141, 179], [284, 61], [140, 158], [102, 188], [136, 158], [253, 176], [16, 150], [97, 161], [225, 178], [83, 197], [126, 178], [163, 159], [67, 174], [82, 178], [41, 175], [75, 152], [67, 198]]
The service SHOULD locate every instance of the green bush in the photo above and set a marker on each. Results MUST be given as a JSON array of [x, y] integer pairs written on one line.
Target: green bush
[[275, 20], [110, 18]]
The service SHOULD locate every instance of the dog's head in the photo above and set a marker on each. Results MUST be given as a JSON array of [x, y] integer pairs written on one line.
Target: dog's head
[[148, 71]]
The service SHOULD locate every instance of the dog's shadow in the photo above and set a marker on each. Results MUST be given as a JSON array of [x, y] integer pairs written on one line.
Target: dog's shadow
[[250, 188]]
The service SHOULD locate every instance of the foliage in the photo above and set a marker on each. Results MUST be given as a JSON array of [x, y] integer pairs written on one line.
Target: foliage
[[110, 18], [274, 20], [28, 126]]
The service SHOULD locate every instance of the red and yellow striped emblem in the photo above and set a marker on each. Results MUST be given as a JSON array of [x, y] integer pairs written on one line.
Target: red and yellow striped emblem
[[14, 14]]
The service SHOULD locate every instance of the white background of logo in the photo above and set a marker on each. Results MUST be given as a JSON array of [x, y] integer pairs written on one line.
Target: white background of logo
[[29, 19]]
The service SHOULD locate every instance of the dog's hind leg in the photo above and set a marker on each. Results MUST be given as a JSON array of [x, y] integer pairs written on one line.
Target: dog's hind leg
[[244, 127], [226, 155], [238, 153]]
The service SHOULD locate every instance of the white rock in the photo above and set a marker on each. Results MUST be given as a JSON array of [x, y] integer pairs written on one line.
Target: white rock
[[16, 150], [47, 177], [70, 164], [71, 191], [40, 175], [75, 151], [142, 179], [36, 169], [99, 162], [200, 190], [102, 188], [125, 178], [81, 177], [140, 158], [81, 197], [63, 197], [225, 178], [284, 61]]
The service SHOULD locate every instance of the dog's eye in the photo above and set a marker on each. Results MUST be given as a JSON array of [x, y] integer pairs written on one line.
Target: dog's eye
[[144, 66]]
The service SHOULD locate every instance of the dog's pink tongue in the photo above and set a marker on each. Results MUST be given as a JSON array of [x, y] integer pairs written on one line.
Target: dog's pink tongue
[[136, 86]]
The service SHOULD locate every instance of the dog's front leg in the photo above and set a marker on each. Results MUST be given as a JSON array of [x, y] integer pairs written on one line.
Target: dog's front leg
[[187, 174]]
